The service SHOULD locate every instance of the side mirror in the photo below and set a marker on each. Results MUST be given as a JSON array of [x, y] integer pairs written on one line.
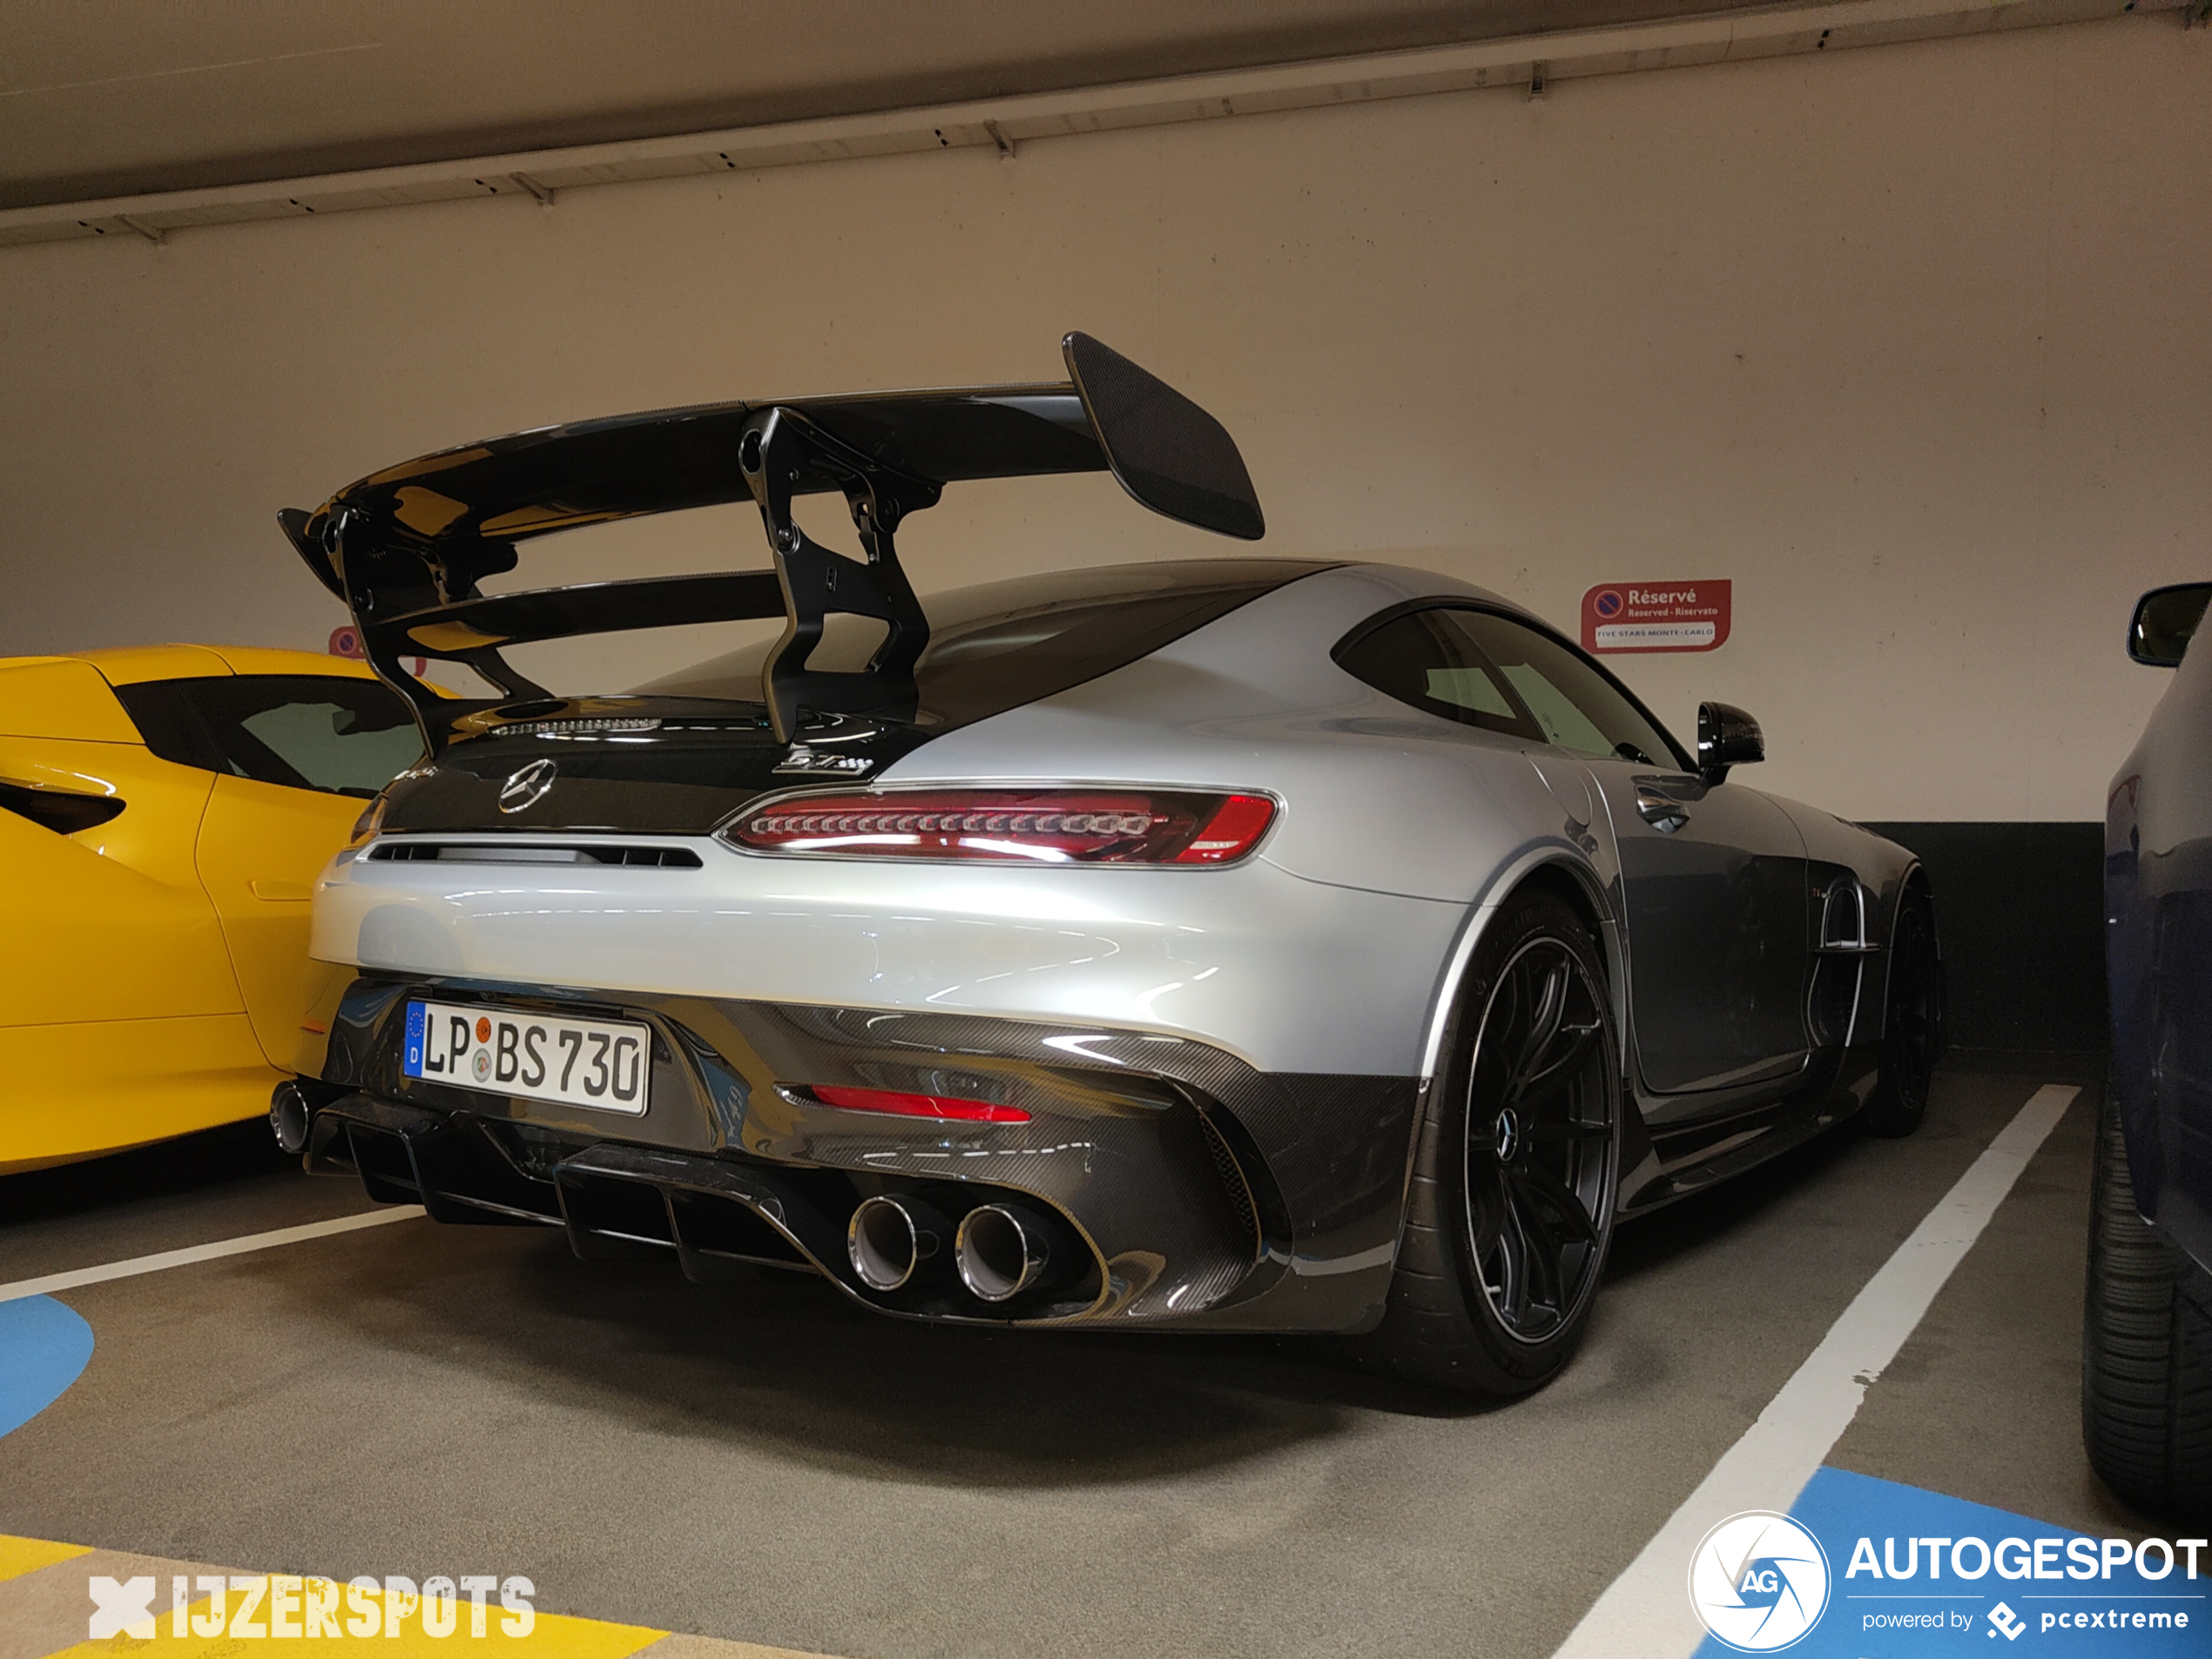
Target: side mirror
[[1726, 737], [2166, 619]]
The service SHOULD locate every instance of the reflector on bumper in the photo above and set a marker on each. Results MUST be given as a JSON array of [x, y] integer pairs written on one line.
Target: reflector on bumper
[[905, 1105]]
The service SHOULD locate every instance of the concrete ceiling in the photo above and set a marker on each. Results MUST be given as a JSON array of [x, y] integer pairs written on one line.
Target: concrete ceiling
[[113, 98]]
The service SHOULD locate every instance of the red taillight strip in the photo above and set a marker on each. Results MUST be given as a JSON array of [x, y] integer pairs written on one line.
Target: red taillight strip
[[1230, 833], [1053, 824], [902, 1105]]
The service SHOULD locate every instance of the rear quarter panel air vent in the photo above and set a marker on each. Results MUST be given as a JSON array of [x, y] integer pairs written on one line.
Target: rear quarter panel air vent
[[64, 811]]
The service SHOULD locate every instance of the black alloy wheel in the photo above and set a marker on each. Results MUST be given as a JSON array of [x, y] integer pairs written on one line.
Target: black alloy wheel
[[1538, 1163], [1912, 1021], [1510, 1212]]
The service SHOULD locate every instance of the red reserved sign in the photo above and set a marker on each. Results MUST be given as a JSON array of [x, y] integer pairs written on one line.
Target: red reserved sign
[[1656, 616], [347, 641]]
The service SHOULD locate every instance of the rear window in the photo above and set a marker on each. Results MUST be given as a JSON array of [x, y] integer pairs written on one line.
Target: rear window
[[321, 731], [1001, 644]]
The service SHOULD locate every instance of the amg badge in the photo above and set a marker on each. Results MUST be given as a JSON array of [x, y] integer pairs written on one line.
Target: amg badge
[[803, 759]]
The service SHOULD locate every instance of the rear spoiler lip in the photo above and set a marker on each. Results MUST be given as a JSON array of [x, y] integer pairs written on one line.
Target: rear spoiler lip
[[406, 547]]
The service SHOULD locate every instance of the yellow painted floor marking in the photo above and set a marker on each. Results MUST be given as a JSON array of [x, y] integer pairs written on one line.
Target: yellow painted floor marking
[[20, 1555]]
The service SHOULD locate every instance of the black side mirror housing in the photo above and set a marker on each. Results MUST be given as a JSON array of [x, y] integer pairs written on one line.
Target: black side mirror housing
[[1726, 737], [2165, 621]]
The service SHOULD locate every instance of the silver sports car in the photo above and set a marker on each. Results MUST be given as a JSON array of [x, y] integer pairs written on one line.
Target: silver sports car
[[1228, 944]]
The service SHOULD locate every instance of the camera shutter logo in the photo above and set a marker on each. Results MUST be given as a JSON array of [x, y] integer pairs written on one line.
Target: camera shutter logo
[[1759, 1582], [525, 788]]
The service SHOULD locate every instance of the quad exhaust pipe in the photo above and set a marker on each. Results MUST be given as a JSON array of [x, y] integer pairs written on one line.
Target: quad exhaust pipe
[[1000, 1251], [892, 1238], [1003, 1249], [288, 1117]]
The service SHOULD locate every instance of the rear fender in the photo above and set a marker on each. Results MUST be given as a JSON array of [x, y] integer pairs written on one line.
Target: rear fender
[[1638, 1160]]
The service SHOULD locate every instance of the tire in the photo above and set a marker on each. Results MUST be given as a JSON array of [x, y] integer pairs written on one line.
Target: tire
[[1912, 1022], [2145, 1349], [1509, 1214]]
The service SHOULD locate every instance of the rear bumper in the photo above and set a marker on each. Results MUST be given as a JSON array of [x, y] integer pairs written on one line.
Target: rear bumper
[[1199, 1191], [1289, 975]]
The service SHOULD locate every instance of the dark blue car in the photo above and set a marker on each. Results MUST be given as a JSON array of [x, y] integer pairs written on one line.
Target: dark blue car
[[2147, 1339]]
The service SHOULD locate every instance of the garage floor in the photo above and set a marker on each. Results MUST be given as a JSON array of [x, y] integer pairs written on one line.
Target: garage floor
[[764, 1462]]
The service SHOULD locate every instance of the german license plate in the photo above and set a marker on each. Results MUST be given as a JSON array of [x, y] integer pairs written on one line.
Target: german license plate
[[599, 1064]]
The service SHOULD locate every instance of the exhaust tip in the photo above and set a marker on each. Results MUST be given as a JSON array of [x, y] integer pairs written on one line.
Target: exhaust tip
[[288, 1117], [890, 1238], [1000, 1251]]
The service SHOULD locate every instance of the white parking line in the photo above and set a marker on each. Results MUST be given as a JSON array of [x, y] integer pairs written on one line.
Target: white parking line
[[1645, 1610], [221, 1247]]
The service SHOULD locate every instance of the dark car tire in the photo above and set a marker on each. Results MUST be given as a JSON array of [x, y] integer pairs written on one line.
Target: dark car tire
[[1472, 1305], [1912, 1022], [2145, 1349]]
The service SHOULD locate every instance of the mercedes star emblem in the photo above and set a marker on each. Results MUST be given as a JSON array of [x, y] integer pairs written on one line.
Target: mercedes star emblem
[[524, 789]]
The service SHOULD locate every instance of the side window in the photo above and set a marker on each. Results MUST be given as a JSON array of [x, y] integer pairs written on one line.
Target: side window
[[1428, 659], [342, 736], [1577, 707]]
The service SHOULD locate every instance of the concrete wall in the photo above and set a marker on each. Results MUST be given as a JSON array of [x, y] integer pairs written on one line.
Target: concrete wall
[[1912, 343]]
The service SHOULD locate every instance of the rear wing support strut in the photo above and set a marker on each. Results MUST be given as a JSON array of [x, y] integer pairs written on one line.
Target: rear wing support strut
[[778, 447]]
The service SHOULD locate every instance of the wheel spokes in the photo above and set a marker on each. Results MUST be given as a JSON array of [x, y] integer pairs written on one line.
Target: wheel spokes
[[1511, 1294], [1538, 1135], [1543, 1024], [1499, 1248], [1570, 1044], [1542, 1253], [1548, 1190]]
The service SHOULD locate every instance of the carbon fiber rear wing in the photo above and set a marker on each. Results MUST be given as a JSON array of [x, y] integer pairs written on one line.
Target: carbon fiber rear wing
[[407, 547]]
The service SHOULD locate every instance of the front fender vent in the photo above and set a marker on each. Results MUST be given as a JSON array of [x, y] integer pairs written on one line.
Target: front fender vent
[[1838, 983]]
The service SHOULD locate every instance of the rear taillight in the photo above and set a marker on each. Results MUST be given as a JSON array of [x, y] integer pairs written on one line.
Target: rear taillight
[[899, 1104], [1021, 825]]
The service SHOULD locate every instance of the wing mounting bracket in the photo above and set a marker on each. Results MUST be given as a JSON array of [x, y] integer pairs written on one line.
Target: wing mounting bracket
[[344, 533], [778, 451]]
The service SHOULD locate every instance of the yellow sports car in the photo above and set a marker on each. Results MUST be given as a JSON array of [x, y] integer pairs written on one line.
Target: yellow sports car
[[164, 813]]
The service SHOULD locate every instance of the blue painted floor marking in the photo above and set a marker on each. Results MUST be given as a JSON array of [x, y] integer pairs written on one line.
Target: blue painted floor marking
[[44, 1346], [1871, 1614]]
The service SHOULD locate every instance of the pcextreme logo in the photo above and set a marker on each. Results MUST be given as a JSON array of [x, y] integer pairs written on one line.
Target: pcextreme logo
[[280, 1606], [1759, 1582]]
